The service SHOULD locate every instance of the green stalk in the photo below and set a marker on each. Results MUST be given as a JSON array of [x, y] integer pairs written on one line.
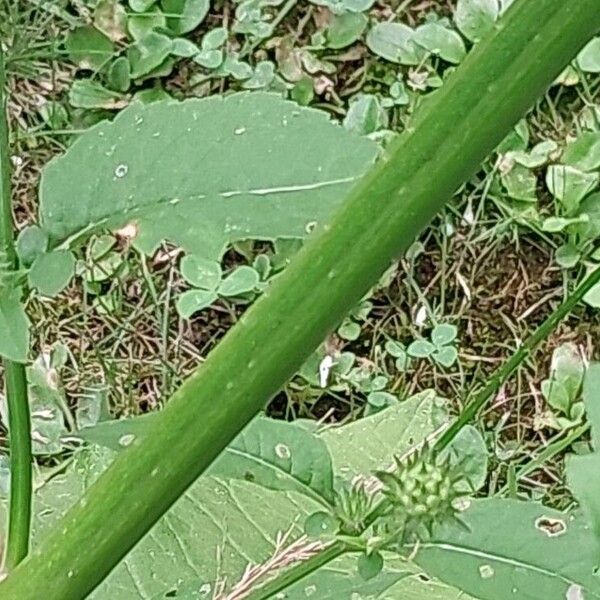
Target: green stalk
[[497, 380], [449, 137], [19, 517]]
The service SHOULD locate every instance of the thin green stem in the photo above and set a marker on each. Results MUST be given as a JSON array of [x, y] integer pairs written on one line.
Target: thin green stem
[[497, 380], [551, 450], [19, 518], [500, 377]]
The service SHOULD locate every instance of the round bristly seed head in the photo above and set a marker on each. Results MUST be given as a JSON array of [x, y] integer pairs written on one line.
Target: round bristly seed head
[[422, 490]]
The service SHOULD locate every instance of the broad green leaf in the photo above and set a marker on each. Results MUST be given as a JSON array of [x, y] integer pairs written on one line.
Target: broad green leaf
[[558, 224], [279, 456], [193, 301], [51, 272], [349, 330], [214, 39], [321, 524], [583, 472], [476, 18], [263, 76], [189, 14], [345, 29], [589, 58], [92, 407], [200, 173], [47, 401], [512, 549], [213, 532], [591, 389], [440, 40], [210, 59], [370, 443], [369, 565], [399, 580], [201, 273], [589, 211], [570, 185], [537, 156], [396, 43], [380, 400], [593, 296], [584, 152], [85, 93], [356, 5], [14, 326], [242, 280], [339, 7], [568, 368], [89, 48], [274, 454], [113, 434], [31, 243]]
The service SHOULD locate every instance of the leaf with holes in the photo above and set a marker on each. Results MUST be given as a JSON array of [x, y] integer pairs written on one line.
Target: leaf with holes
[[279, 456], [275, 454], [534, 552], [218, 527], [201, 174]]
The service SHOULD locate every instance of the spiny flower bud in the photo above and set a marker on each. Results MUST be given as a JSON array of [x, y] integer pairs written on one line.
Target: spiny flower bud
[[422, 491]]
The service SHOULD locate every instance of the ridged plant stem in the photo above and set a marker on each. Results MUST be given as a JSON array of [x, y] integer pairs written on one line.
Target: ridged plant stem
[[19, 517], [453, 131]]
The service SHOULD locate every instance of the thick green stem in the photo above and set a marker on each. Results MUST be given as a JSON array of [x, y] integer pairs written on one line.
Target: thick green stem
[[496, 381], [449, 137], [19, 517]]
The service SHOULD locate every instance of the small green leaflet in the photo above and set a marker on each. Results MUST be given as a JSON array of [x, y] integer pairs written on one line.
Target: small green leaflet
[[475, 18]]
